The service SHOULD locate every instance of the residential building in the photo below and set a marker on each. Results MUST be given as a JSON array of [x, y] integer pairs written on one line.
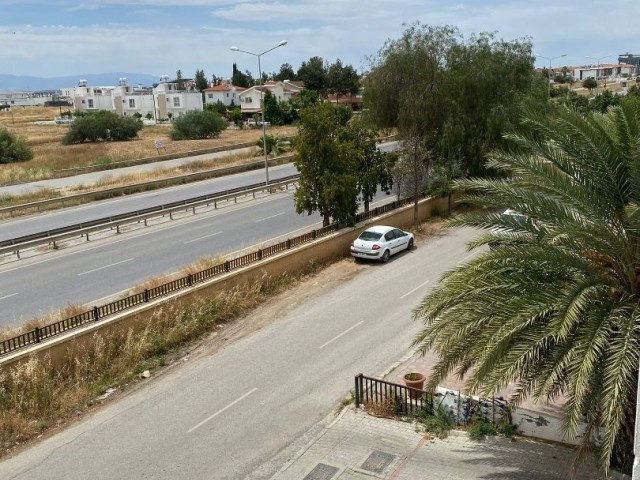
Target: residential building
[[225, 92], [601, 71], [251, 98], [631, 59], [171, 102], [28, 99]]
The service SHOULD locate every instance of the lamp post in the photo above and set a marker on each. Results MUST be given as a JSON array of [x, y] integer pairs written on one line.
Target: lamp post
[[264, 131], [597, 59], [549, 71]]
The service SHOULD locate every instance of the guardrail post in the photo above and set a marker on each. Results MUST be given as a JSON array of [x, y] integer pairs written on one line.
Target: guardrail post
[[117, 228], [259, 254], [36, 334], [227, 266], [18, 253], [146, 295], [96, 314], [190, 279], [314, 234], [288, 244]]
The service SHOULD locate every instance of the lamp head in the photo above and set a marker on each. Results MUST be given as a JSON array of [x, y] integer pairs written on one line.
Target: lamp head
[[234, 49], [282, 43]]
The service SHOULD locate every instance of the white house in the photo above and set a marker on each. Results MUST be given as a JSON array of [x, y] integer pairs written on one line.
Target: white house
[[226, 93], [251, 98], [171, 102], [601, 71]]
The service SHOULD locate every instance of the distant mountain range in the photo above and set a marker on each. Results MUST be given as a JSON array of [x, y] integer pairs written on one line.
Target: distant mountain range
[[22, 83]]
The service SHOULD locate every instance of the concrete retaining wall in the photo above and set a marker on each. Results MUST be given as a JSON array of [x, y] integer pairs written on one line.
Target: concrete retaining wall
[[325, 249]]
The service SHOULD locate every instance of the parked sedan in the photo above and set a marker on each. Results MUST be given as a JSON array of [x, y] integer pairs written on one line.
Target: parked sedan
[[380, 242]]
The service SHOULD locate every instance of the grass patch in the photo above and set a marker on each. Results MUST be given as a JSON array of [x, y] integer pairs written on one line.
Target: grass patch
[[438, 424]]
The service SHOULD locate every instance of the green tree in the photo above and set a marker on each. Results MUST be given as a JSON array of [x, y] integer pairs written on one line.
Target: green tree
[[286, 73], [431, 76], [314, 75], [342, 80], [589, 83], [272, 110], [218, 107], [373, 168], [197, 124], [13, 149], [305, 98], [327, 183], [102, 125], [179, 80], [556, 307], [240, 79], [235, 115], [603, 101], [201, 80]]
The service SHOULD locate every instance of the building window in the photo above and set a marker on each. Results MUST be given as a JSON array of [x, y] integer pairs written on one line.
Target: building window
[[248, 100], [210, 95], [176, 101], [90, 103], [227, 95], [132, 103]]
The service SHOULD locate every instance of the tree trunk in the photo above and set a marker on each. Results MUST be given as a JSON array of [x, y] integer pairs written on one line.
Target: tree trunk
[[326, 220], [415, 211], [366, 205]]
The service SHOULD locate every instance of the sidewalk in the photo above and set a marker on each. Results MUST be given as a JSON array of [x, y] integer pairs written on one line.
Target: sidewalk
[[356, 445]]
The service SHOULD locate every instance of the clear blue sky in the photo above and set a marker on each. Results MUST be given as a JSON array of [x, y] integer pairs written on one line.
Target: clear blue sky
[[68, 37]]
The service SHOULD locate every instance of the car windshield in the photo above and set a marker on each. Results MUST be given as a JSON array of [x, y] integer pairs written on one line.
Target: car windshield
[[370, 236]]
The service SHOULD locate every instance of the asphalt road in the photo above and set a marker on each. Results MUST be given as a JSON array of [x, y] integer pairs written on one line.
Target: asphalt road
[[241, 412]]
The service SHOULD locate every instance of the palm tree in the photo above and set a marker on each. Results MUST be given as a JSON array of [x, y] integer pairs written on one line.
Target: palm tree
[[555, 308]]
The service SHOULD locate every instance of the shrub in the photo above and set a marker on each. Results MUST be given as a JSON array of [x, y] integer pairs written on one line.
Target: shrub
[[274, 145], [102, 125], [481, 428], [197, 124], [13, 149]]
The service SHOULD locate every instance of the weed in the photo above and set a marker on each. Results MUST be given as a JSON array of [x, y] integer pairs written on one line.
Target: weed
[[438, 423], [479, 428]]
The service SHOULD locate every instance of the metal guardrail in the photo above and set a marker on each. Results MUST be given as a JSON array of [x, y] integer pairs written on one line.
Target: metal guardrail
[[40, 334], [14, 245], [137, 187]]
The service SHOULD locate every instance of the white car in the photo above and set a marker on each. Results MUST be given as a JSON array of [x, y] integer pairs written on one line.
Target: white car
[[380, 242]]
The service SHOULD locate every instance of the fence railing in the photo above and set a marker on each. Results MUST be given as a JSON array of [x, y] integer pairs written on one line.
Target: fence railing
[[391, 398], [97, 313]]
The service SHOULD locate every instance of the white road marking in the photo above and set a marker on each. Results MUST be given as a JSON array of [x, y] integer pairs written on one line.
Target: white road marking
[[202, 238], [106, 266], [222, 410], [268, 218], [8, 296], [417, 288], [338, 336]]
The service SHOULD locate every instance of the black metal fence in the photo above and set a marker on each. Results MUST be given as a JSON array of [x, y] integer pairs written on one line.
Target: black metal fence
[[97, 313], [391, 398]]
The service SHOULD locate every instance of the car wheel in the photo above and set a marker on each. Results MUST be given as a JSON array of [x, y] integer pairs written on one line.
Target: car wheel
[[410, 244], [385, 256]]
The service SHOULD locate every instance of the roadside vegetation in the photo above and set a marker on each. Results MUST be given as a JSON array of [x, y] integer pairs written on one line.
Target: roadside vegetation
[[101, 126], [197, 125], [13, 148], [35, 397]]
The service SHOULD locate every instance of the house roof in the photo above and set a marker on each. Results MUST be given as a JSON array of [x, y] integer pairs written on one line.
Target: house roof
[[224, 88]]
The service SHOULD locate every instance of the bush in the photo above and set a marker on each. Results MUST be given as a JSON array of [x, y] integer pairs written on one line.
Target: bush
[[13, 149], [102, 125], [197, 125]]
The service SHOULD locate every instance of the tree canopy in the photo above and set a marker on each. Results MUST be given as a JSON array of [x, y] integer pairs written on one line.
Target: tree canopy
[[555, 307], [431, 80], [102, 125], [197, 124], [13, 148], [313, 73]]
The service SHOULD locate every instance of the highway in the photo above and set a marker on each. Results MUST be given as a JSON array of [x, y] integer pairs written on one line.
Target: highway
[[241, 412], [97, 271]]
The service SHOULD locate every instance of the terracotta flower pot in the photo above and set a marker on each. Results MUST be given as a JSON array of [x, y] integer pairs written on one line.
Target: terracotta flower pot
[[414, 380]]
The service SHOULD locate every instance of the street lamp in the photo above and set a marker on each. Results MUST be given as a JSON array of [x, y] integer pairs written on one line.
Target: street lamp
[[597, 59], [264, 131], [549, 71]]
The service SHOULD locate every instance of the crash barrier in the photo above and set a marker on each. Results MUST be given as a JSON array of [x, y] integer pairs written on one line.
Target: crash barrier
[[98, 313], [144, 186]]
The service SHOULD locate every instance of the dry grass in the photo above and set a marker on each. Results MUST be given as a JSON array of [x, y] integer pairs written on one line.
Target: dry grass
[[36, 397], [51, 155]]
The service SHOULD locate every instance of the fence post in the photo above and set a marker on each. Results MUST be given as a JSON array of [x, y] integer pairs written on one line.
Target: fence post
[[96, 314], [357, 389], [259, 254], [227, 266], [36, 334], [288, 244], [190, 279], [146, 295]]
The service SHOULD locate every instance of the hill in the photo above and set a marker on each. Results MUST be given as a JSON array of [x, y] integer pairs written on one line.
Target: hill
[[23, 83]]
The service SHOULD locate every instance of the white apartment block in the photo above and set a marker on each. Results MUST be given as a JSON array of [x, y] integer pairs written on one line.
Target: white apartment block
[[163, 102], [251, 98]]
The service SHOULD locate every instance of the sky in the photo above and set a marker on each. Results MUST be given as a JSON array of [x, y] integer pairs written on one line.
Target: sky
[[66, 37]]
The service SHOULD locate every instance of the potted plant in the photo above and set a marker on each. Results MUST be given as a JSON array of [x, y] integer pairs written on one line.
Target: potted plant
[[414, 380]]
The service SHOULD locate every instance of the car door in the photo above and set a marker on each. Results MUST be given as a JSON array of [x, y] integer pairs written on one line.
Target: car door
[[390, 240], [401, 239]]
